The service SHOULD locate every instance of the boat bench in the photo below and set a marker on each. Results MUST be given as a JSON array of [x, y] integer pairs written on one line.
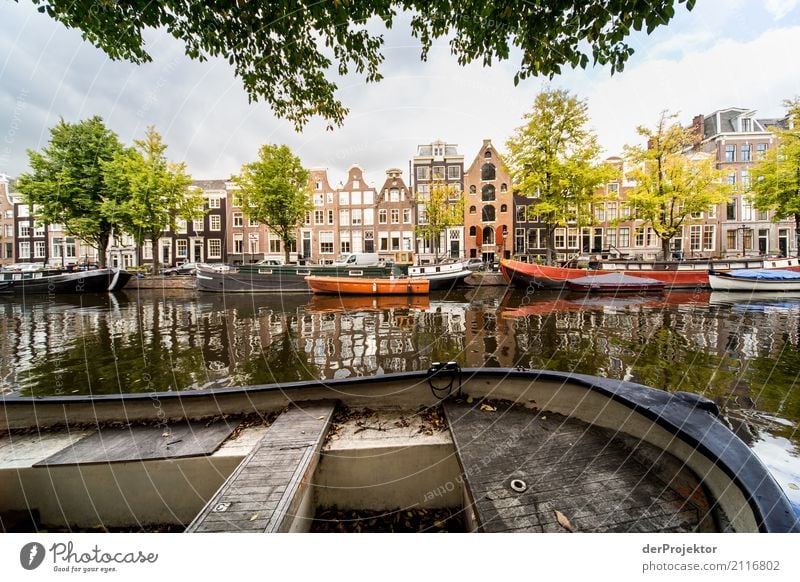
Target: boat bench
[[265, 493]]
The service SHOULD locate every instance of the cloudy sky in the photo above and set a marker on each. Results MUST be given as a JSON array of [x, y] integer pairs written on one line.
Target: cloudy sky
[[724, 53]]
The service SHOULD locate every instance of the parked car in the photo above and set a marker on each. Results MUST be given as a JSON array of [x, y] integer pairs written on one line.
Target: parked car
[[184, 269], [475, 264]]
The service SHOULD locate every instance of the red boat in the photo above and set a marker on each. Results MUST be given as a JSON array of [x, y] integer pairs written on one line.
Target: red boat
[[368, 285], [674, 275]]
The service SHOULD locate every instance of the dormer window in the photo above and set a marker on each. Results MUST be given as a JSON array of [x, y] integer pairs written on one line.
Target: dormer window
[[747, 124]]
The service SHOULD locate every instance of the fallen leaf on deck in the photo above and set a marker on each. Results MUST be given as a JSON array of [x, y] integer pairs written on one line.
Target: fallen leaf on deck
[[563, 521], [320, 418], [469, 400], [793, 486], [254, 517], [488, 407]]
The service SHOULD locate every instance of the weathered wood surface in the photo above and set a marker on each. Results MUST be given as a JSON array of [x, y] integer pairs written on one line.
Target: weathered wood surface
[[264, 493], [137, 443], [568, 466]]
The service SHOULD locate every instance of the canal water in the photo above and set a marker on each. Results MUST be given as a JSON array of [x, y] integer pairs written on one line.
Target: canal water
[[742, 352]]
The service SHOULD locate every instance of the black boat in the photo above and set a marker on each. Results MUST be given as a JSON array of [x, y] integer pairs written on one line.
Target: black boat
[[56, 281]]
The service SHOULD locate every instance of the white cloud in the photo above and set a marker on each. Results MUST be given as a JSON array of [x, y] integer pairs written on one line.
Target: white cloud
[[780, 8]]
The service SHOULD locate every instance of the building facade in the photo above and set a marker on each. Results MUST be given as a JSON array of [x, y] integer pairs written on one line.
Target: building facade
[[488, 207], [394, 210], [6, 222], [437, 162]]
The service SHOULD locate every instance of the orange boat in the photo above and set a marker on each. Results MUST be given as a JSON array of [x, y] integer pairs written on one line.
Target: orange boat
[[368, 285]]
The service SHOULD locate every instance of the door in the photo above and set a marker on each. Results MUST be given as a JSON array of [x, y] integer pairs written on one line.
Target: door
[[586, 240], [197, 251], [783, 242], [597, 244], [763, 241]]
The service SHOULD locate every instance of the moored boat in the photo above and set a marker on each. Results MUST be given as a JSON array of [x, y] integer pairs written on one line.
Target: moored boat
[[674, 275], [368, 285], [615, 283], [441, 277], [755, 280], [510, 449], [56, 281]]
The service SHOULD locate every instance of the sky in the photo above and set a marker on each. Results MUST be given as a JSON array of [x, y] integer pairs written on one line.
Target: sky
[[724, 53]]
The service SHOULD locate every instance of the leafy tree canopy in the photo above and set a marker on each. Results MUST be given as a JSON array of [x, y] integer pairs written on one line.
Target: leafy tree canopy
[[777, 176], [150, 192], [274, 190], [284, 51], [553, 157], [66, 181], [671, 181]]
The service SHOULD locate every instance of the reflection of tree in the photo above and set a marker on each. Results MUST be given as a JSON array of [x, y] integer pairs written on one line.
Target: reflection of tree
[[436, 340], [281, 360]]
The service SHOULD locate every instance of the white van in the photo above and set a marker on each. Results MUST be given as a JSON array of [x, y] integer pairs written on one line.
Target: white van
[[357, 260]]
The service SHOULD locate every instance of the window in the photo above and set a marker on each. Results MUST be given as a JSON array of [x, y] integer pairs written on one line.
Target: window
[[355, 198], [369, 197], [695, 232], [519, 238], [639, 239], [356, 183], [473, 209], [214, 222], [422, 216], [503, 208], [181, 226], [560, 241], [520, 212], [344, 198], [197, 225], [308, 218], [394, 195], [600, 212], [745, 152], [612, 211], [356, 217], [487, 154], [382, 214], [9, 229], [712, 211], [625, 237], [488, 236], [238, 244], [147, 251], [611, 237], [406, 216], [730, 153], [330, 216], [503, 187], [329, 197], [472, 189], [344, 242], [318, 199], [252, 222], [763, 215], [423, 173], [438, 173], [214, 248], [708, 237], [40, 249], [369, 217], [761, 150], [319, 217], [326, 242], [238, 219], [487, 193], [39, 229], [344, 217], [182, 248], [572, 238], [487, 213], [395, 241], [213, 202], [317, 184], [423, 192], [747, 124], [25, 250], [747, 237], [395, 216], [731, 240], [369, 241], [56, 248], [488, 172], [24, 229], [732, 179], [745, 180], [383, 241], [453, 172], [747, 209], [652, 239], [472, 231], [730, 210]]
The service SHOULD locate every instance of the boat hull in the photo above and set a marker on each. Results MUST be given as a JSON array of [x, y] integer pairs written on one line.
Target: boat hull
[[442, 277], [721, 282], [367, 286], [683, 425], [677, 275], [276, 279], [96, 281]]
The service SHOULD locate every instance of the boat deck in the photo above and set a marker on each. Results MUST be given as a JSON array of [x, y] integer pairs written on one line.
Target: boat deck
[[266, 491], [547, 473]]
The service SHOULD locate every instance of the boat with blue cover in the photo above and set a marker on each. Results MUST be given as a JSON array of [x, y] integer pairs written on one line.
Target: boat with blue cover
[[770, 280]]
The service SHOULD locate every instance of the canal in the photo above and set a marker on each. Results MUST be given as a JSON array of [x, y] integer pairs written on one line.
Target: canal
[[742, 353]]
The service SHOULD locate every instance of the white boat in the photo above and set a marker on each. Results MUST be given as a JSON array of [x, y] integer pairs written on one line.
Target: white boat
[[755, 280], [444, 276], [501, 449]]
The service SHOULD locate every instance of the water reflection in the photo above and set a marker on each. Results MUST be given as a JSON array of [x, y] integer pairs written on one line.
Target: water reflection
[[741, 351]]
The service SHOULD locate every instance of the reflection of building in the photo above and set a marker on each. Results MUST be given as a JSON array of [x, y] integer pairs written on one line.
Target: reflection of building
[[488, 207], [438, 162]]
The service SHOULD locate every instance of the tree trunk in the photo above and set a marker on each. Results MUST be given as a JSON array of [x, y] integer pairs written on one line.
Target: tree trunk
[[286, 242], [665, 248], [154, 245], [551, 244], [102, 250]]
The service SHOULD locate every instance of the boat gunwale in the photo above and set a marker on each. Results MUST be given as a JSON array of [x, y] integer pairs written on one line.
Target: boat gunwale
[[680, 414]]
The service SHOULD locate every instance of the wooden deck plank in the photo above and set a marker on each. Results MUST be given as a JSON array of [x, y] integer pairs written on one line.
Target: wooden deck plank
[[263, 494], [137, 443], [584, 472]]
